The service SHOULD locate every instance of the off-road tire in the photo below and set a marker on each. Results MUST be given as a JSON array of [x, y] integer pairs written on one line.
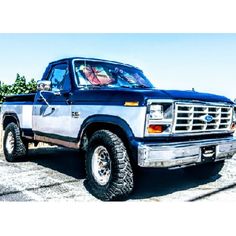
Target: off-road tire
[[120, 183], [20, 147], [205, 171]]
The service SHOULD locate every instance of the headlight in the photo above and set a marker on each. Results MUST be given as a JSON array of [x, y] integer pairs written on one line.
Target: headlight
[[159, 117], [156, 112]]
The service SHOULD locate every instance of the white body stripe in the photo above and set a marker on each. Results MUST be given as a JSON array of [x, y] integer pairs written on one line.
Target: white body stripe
[[27, 116], [62, 123], [52, 119], [58, 119], [23, 112], [133, 116]]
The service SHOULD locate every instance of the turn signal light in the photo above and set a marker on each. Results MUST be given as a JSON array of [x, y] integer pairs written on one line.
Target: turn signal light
[[154, 129], [131, 104], [233, 126]]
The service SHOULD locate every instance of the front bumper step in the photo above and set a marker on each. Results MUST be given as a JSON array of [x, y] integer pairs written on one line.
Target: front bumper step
[[184, 153]]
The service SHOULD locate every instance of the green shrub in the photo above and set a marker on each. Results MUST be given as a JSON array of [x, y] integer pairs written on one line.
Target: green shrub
[[20, 86]]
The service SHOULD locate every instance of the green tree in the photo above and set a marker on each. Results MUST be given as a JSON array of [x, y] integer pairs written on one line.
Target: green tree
[[20, 86]]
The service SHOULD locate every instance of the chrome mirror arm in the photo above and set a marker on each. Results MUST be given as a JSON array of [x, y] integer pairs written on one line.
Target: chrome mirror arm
[[44, 99]]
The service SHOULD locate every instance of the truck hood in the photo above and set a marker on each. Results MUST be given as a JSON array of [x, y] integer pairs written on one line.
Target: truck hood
[[117, 96], [192, 95], [179, 95]]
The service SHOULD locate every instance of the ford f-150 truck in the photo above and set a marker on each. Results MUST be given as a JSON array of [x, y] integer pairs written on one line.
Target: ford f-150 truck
[[114, 114]]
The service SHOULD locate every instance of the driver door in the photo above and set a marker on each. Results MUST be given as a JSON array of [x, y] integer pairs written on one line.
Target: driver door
[[53, 120]]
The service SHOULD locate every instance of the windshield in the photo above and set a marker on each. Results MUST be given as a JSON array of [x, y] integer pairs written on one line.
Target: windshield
[[108, 74]]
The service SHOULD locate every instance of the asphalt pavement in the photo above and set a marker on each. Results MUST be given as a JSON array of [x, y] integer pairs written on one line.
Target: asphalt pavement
[[58, 174]]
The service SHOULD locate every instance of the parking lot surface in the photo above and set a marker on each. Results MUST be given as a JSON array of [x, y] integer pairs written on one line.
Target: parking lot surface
[[57, 174]]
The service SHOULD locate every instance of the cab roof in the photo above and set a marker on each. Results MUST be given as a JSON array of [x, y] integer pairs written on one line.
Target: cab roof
[[70, 59]]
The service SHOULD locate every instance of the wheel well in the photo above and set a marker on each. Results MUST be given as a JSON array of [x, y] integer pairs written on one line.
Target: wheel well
[[111, 127], [9, 119], [116, 129]]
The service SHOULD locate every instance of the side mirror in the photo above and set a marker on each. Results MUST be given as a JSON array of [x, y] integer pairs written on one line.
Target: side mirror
[[44, 85]]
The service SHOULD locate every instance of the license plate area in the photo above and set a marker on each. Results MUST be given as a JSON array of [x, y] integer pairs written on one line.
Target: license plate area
[[208, 154]]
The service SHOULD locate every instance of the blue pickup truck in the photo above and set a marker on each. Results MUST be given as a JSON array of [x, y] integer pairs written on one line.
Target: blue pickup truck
[[113, 113]]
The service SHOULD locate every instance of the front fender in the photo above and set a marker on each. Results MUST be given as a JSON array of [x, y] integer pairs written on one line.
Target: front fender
[[107, 119]]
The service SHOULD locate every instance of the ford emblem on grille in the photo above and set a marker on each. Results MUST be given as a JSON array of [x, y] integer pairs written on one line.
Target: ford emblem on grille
[[208, 118]]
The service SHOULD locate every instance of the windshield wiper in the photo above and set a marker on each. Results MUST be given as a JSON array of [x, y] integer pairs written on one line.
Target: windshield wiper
[[125, 86], [121, 86], [109, 86], [99, 85], [139, 86]]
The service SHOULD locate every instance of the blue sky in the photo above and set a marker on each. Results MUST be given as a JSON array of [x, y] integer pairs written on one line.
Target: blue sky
[[206, 62]]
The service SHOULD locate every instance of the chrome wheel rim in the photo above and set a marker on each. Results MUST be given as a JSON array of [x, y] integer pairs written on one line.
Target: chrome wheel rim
[[10, 141], [101, 165]]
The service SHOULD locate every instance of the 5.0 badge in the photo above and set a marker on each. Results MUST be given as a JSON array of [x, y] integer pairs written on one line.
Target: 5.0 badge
[[75, 114]]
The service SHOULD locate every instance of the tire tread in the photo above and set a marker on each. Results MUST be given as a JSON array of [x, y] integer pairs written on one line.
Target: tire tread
[[20, 148], [122, 177]]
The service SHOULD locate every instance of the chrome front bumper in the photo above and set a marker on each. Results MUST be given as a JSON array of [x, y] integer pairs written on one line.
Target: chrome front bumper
[[183, 153]]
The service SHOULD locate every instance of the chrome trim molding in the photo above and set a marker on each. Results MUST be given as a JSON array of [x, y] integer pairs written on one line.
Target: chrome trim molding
[[183, 153], [159, 101]]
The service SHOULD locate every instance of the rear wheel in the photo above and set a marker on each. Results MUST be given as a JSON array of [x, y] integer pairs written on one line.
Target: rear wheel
[[14, 146], [205, 171], [109, 172]]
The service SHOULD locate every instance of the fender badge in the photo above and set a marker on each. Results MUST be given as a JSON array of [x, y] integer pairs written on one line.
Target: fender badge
[[75, 114]]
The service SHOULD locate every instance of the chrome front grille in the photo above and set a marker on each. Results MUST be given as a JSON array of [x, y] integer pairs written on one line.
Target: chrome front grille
[[197, 118]]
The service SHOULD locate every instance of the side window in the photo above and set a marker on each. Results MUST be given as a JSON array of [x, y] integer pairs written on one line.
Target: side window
[[60, 78]]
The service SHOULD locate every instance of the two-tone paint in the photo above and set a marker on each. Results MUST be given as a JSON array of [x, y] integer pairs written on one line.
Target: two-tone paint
[[65, 117]]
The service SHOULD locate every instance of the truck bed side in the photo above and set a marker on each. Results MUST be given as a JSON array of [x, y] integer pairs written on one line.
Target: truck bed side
[[20, 107]]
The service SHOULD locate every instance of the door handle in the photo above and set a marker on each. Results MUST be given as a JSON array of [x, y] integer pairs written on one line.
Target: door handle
[[49, 111]]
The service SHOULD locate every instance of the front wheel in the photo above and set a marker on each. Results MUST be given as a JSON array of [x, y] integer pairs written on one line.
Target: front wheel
[[14, 147], [109, 172], [205, 171]]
